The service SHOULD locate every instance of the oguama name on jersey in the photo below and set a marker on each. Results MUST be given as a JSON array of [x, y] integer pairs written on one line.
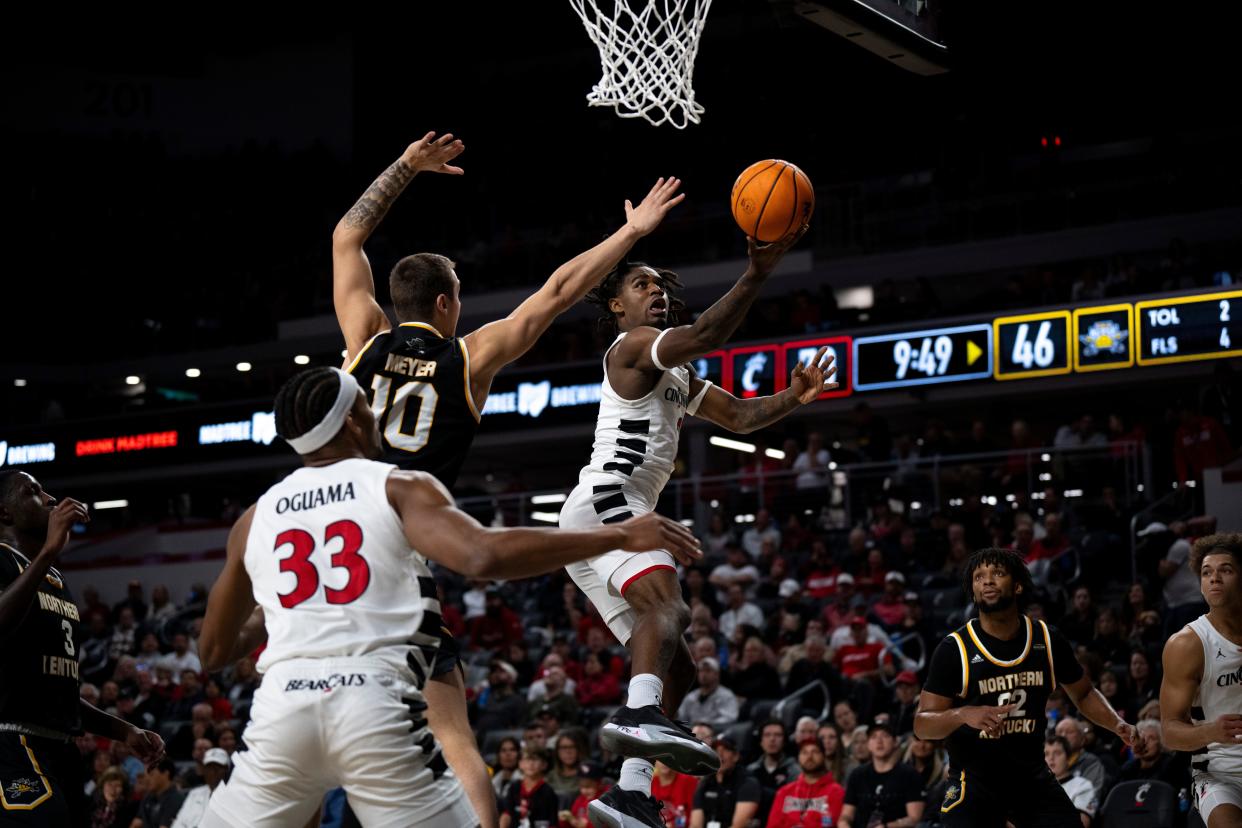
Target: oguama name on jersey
[[314, 498]]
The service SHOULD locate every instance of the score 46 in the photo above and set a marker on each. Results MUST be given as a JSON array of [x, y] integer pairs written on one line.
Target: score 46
[[1039, 353]]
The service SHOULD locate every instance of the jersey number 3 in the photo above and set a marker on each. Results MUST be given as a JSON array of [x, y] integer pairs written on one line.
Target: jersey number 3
[[427, 399], [347, 557]]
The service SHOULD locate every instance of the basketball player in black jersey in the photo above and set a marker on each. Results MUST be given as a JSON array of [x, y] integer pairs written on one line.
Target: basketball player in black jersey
[[427, 386], [986, 691], [41, 774]]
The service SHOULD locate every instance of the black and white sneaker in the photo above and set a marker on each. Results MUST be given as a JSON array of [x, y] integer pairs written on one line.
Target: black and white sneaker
[[619, 808], [646, 733]]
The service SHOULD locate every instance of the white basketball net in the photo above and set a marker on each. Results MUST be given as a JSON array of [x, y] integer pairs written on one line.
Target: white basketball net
[[647, 57]]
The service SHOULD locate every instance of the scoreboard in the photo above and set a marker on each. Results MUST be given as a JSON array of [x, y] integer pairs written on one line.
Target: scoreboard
[[926, 357], [1044, 343], [1189, 328]]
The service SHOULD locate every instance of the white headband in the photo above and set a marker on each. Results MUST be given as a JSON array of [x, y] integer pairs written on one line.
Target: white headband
[[322, 434]]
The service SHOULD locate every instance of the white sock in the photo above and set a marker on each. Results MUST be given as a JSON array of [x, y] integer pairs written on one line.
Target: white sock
[[636, 775], [645, 689]]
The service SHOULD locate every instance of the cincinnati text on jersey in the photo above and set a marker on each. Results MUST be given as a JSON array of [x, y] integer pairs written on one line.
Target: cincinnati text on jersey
[[313, 498], [410, 366]]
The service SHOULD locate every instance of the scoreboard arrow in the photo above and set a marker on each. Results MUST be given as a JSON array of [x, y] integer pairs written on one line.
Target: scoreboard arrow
[[973, 352]]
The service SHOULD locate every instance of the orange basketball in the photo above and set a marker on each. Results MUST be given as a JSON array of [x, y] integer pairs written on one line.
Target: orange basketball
[[771, 199]]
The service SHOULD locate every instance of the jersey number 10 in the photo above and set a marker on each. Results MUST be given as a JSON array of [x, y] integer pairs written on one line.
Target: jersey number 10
[[380, 402], [347, 557]]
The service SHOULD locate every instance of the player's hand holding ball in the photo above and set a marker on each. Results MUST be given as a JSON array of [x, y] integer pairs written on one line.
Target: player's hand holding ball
[[810, 380], [650, 531], [432, 154]]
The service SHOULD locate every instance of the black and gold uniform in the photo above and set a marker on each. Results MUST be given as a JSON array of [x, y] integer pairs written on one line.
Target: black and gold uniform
[[995, 780], [41, 782], [418, 384]]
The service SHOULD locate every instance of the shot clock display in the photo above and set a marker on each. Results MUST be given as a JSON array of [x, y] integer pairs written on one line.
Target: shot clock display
[[804, 350], [927, 357], [1189, 328]]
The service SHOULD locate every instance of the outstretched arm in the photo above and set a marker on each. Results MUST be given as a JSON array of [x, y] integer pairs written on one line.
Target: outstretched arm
[[353, 287], [447, 535], [1094, 706], [715, 325], [806, 383], [495, 345], [231, 604]]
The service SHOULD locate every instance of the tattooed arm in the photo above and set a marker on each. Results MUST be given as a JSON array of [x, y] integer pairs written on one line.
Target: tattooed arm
[[353, 288], [806, 383], [715, 325]]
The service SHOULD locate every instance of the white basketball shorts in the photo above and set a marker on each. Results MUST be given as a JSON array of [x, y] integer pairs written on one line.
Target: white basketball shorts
[[1214, 789], [317, 724], [605, 577]]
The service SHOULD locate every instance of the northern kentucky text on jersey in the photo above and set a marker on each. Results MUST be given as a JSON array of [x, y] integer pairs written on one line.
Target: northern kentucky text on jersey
[[1023, 678], [313, 498], [410, 366]]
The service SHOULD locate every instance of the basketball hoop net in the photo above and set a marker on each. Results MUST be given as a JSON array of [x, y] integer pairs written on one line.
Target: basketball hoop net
[[647, 57]]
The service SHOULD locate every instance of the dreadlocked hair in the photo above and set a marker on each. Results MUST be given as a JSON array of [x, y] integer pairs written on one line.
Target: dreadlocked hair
[[608, 289], [304, 400], [1008, 560]]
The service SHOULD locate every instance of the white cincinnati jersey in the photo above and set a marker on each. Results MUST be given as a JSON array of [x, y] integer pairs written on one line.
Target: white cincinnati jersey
[[636, 440], [335, 575], [1220, 691]]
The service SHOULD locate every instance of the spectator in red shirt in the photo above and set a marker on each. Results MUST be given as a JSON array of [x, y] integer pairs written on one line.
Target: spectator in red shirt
[[890, 608], [599, 641], [859, 659], [1199, 443], [498, 627], [821, 573], [803, 802], [590, 787], [676, 792], [1053, 543], [598, 687], [840, 610]]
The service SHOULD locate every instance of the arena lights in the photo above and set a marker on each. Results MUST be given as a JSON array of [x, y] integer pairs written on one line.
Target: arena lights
[[301, 359], [193, 373], [19, 382], [775, 454], [100, 505], [546, 517], [132, 380], [687, 522], [915, 505], [736, 445], [1073, 492], [243, 367], [540, 500], [744, 519]]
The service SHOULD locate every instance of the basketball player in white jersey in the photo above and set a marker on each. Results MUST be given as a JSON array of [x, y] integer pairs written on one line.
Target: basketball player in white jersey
[[335, 554], [648, 389], [1203, 669]]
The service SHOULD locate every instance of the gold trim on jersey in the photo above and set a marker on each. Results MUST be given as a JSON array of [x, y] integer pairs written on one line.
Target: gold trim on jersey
[[363, 350], [961, 794], [984, 650], [465, 372], [961, 648], [53, 575], [426, 325], [1052, 667], [47, 786]]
